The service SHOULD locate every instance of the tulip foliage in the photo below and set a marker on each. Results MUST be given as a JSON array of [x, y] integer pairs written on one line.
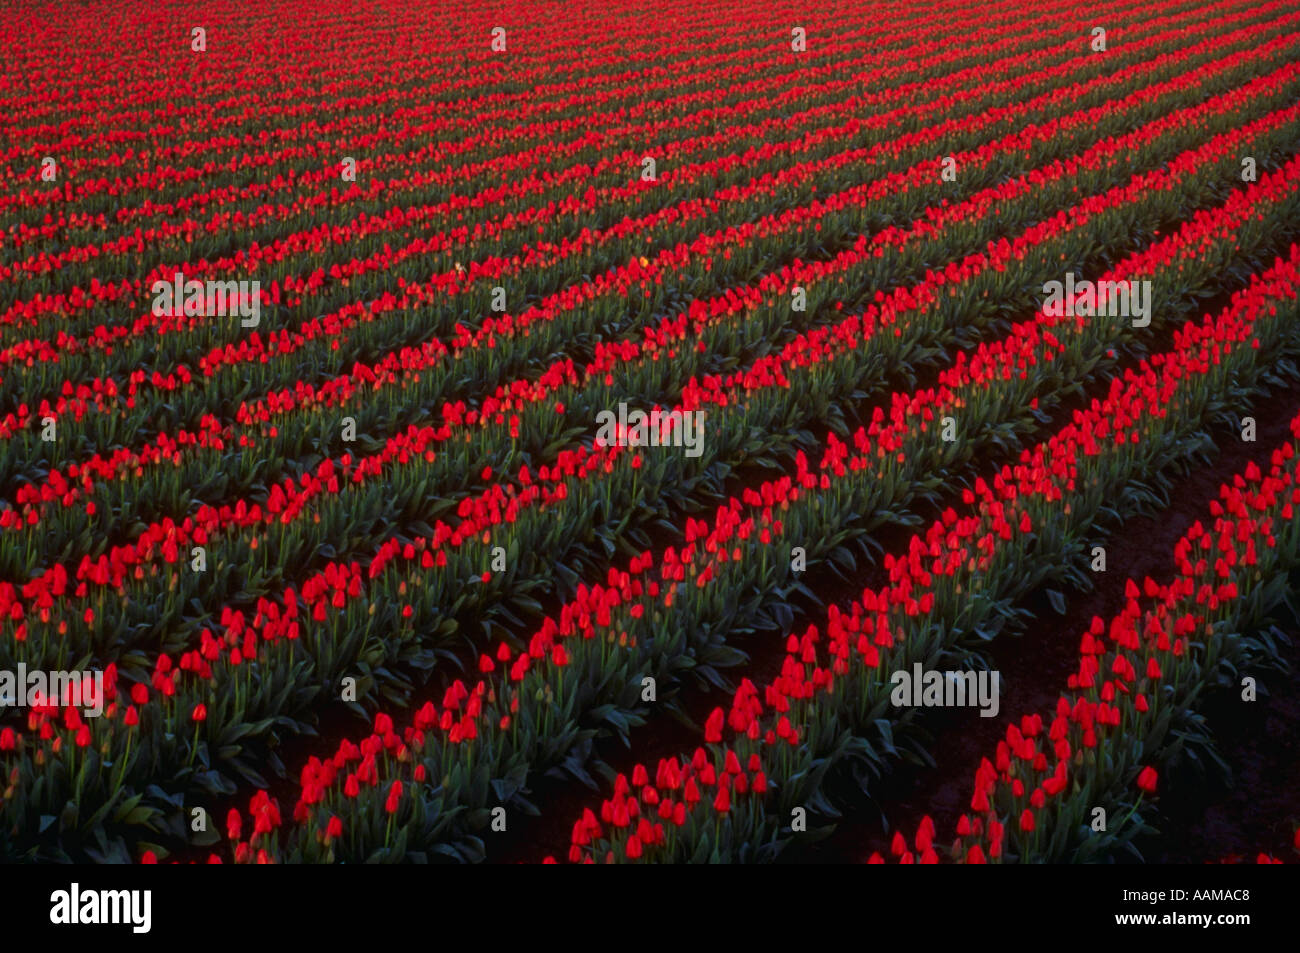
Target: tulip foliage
[[370, 548]]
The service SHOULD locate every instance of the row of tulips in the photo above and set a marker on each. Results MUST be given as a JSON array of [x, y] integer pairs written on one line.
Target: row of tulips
[[1132, 703], [829, 714]]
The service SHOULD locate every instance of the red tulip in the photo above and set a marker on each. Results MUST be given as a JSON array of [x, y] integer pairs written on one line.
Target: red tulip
[[722, 803], [394, 798], [1147, 780], [713, 727]]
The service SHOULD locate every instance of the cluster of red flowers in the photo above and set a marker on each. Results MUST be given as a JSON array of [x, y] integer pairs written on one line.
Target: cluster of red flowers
[[1139, 666]]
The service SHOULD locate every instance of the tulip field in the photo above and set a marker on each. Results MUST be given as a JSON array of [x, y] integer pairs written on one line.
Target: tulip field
[[557, 433]]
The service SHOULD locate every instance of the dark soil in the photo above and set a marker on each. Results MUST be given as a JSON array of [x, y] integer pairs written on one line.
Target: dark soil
[[1258, 809]]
